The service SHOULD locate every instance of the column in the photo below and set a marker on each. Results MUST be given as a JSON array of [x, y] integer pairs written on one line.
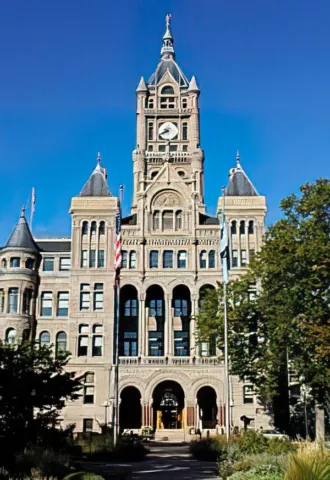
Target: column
[[190, 414], [142, 325], [194, 309], [168, 327]]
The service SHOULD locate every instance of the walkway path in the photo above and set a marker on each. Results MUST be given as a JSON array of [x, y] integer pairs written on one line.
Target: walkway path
[[169, 462]]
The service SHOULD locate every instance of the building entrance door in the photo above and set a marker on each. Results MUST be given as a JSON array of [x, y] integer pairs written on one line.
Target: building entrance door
[[168, 402]]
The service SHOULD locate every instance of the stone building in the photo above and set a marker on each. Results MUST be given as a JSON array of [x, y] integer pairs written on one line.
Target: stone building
[[170, 258]]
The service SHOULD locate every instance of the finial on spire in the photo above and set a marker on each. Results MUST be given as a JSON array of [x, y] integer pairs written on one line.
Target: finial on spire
[[167, 48], [238, 160], [98, 158], [22, 212]]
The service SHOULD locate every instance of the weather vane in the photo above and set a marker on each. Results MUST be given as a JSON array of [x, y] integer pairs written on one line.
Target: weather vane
[[168, 19]]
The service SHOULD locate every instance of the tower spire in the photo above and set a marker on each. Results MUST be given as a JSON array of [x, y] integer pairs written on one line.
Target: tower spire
[[168, 40]]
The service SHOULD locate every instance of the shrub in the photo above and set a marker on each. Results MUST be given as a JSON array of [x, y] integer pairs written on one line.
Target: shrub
[[209, 449], [131, 450], [311, 461], [252, 442], [277, 446], [83, 476]]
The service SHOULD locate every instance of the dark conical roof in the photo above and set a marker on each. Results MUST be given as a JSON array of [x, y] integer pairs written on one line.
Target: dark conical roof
[[21, 236], [170, 65], [96, 186], [239, 183]]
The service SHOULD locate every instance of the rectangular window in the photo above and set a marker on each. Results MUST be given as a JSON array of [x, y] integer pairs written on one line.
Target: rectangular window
[[150, 131], [154, 259], [15, 262], [83, 346], [161, 148], [65, 263], [185, 131], [89, 394], [167, 220], [180, 308], [84, 296], [27, 298], [248, 394], [84, 263], [168, 259], [13, 300], [130, 344], [100, 258], [185, 148], [98, 296], [63, 304], [243, 258], [130, 308], [87, 425], [173, 148], [92, 259], [182, 259], [48, 265], [124, 259], [204, 348], [235, 258], [97, 346], [46, 304], [156, 308]]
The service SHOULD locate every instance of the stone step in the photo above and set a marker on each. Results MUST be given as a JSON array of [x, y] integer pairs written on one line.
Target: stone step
[[169, 436]]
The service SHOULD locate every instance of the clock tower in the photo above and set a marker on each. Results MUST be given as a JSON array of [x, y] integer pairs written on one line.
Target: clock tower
[[168, 152]]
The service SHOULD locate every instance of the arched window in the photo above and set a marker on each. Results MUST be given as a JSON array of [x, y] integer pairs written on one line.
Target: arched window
[[124, 257], [150, 131], [184, 103], [132, 260], [153, 261], [84, 229], [4, 263], [211, 259], [156, 220], [167, 90], [251, 227], [15, 262], [185, 131], [167, 220], [102, 228], [242, 227], [29, 263], [178, 220], [233, 227], [11, 336], [44, 339], [61, 344], [202, 259], [27, 298], [93, 228], [97, 341]]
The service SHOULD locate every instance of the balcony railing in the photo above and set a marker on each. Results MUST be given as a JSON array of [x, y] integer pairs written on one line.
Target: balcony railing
[[170, 361]]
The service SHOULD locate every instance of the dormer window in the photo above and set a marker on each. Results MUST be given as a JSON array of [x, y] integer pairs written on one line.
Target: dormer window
[[167, 90]]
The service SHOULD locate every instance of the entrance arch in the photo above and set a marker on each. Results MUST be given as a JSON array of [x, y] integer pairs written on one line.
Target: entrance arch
[[207, 407], [130, 409], [168, 406]]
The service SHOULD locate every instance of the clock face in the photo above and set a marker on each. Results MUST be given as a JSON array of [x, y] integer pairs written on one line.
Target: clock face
[[168, 131]]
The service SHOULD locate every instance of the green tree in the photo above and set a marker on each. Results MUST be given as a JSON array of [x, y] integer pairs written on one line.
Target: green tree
[[289, 318], [33, 389]]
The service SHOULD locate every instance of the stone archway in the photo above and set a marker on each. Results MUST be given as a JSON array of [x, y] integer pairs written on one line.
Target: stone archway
[[168, 406], [207, 407], [130, 411]]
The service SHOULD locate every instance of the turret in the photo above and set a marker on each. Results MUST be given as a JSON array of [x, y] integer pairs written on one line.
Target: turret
[[19, 281]]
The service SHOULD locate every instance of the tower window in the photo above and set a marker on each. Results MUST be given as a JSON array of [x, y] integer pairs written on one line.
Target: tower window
[[150, 148], [167, 90], [13, 300], [84, 229], [167, 102], [251, 227], [242, 227], [15, 262], [167, 220], [154, 259], [178, 220], [151, 103], [161, 148], [185, 131], [202, 259], [233, 227], [184, 103], [29, 263], [211, 259], [182, 259], [150, 131], [4, 263], [27, 298], [168, 259]]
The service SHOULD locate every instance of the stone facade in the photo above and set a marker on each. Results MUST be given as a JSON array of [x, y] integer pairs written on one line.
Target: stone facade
[[170, 255]]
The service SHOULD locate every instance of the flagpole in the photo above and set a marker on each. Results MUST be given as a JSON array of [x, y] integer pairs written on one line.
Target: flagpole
[[225, 320], [116, 328], [32, 206]]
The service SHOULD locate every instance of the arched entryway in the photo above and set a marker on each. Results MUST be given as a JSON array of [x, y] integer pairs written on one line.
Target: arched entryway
[[130, 409], [207, 408], [168, 406]]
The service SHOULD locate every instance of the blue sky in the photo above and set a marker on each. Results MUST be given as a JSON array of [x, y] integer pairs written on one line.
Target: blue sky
[[69, 70]]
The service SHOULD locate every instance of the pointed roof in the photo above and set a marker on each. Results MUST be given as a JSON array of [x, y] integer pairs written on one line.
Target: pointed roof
[[96, 186], [168, 62], [142, 87], [193, 87], [21, 236], [239, 184]]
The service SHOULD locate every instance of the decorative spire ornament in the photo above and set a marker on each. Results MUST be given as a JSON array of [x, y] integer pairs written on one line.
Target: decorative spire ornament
[[167, 50]]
